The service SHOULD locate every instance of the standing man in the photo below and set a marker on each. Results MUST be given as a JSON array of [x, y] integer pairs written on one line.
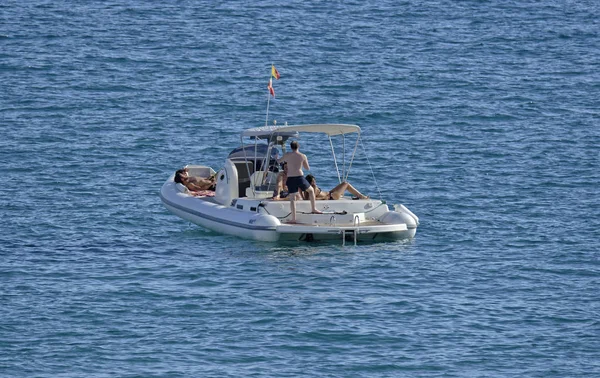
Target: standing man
[[295, 178]]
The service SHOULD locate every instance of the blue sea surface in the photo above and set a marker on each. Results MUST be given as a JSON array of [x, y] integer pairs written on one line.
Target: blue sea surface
[[482, 117]]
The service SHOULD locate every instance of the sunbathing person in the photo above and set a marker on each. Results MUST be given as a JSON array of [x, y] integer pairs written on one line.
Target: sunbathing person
[[335, 193], [195, 183], [281, 190]]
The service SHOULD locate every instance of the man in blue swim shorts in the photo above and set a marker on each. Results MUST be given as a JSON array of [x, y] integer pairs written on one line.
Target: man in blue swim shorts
[[295, 178]]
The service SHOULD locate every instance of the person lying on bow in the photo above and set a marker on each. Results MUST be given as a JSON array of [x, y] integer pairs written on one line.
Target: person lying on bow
[[195, 183], [335, 193]]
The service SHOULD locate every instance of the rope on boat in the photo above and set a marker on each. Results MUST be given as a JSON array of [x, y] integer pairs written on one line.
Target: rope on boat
[[352, 158], [337, 169], [344, 212], [370, 167]]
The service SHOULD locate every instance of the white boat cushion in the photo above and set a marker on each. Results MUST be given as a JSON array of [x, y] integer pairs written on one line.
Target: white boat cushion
[[199, 171], [181, 188]]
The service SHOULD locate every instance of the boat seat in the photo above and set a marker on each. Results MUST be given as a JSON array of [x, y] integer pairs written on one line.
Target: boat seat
[[260, 182], [243, 178]]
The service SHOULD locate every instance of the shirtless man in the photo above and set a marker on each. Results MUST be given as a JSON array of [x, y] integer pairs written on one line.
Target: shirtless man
[[295, 178]]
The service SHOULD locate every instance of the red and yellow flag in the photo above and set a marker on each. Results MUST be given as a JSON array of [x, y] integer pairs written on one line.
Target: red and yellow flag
[[270, 87], [274, 72]]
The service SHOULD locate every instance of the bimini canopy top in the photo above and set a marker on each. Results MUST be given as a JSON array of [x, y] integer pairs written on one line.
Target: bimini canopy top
[[329, 129], [284, 132]]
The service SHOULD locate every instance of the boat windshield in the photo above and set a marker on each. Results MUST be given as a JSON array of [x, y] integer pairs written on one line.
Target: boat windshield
[[255, 153]]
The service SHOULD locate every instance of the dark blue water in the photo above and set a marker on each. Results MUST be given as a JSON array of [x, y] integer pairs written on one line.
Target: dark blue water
[[480, 116]]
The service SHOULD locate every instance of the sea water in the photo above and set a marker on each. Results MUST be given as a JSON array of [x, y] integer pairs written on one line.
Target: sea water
[[480, 116]]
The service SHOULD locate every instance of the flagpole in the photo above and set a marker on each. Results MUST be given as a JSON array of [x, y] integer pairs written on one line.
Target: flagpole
[[272, 74], [268, 98], [268, 102]]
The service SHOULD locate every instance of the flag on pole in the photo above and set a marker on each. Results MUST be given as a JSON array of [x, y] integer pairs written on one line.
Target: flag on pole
[[270, 86], [274, 72]]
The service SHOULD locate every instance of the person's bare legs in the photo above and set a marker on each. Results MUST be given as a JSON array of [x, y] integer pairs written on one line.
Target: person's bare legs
[[313, 202], [354, 191], [293, 206], [278, 189], [338, 192]]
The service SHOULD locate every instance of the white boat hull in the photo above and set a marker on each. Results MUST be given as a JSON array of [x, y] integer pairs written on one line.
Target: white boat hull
[[241, 204], [264, 220]]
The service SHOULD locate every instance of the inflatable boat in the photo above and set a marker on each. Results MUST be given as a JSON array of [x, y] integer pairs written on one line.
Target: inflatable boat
[[242, 203]]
